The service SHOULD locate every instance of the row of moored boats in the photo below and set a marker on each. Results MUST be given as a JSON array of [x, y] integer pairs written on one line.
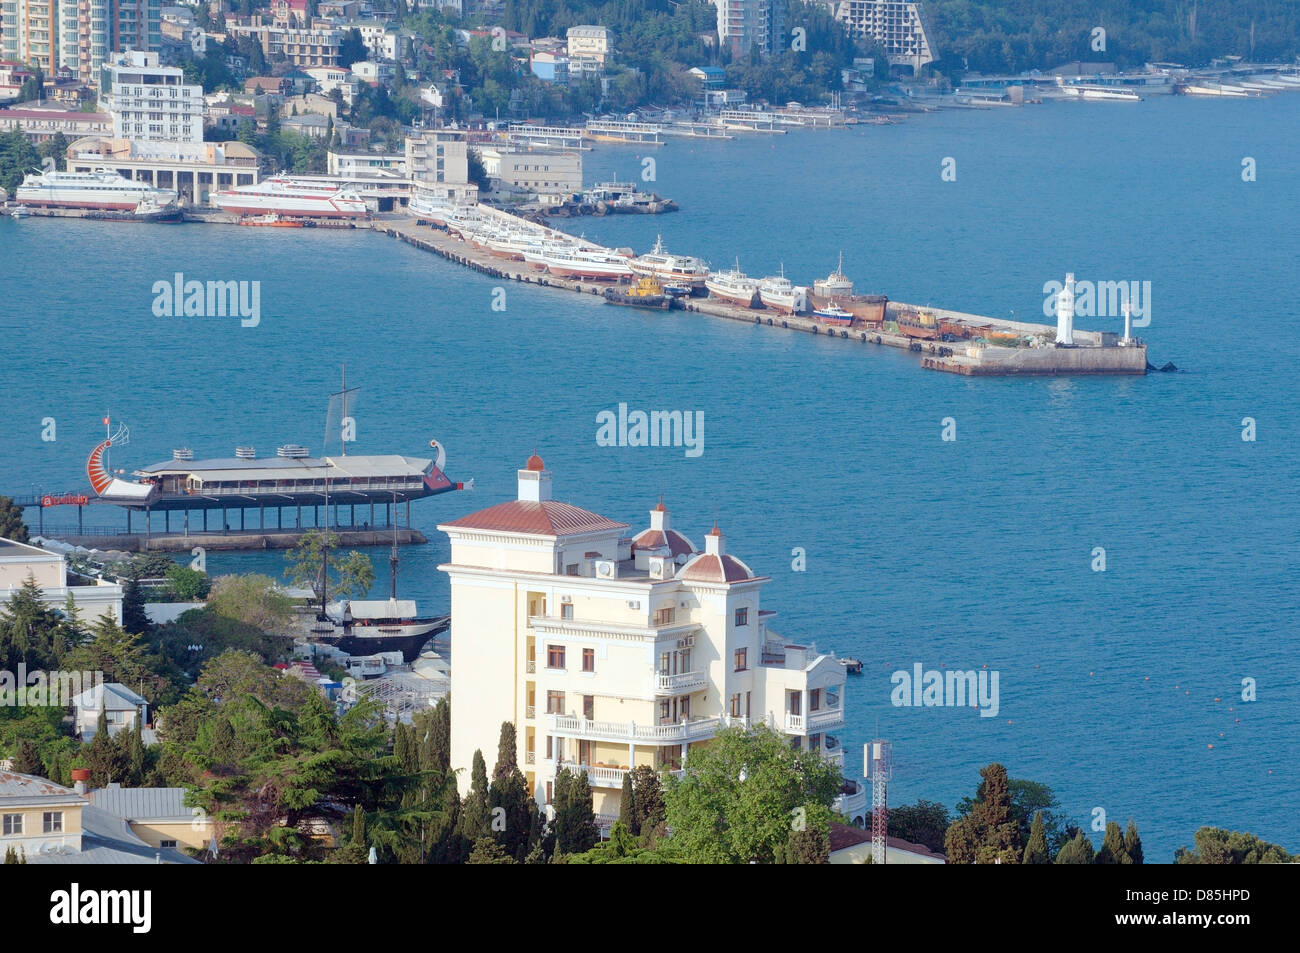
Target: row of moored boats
[[651, 280]]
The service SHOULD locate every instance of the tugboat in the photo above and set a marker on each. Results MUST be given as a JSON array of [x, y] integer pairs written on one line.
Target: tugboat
[[646, 293]]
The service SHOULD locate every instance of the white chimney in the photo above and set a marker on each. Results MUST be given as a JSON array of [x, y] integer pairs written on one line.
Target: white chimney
[[534, 481], [1128, 321], [1065, 312], [714, 542]]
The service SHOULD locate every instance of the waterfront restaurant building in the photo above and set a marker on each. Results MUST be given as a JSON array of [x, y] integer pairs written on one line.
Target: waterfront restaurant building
[[608, 651]]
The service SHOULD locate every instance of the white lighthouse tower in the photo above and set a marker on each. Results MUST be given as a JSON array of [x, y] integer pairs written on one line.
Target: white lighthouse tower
[[1065, 312]]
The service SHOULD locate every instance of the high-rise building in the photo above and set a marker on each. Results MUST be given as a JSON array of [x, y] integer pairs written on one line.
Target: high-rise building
[[608, 651], [77, 34], [897, 25], [150, 102], [744, 25]]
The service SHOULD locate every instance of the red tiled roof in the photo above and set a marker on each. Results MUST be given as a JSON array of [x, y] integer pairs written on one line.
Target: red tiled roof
[[843, 836], [547, 518], [677, 544], [710, 568]]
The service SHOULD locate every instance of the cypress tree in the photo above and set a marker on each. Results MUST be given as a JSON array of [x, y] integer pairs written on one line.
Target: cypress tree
[[1133, 843], [1077, 851], [507, 759], [134, 753], [575, 819], [627, 806], [474, 819], [1112, 846], [1036, 848], [27, 759], [358, 828]]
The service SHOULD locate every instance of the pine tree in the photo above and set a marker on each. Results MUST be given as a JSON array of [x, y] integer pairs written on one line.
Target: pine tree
[[1077, 851], [627, 806], [134, 619], [1036, 848], [1112, 846], [1133, 843]]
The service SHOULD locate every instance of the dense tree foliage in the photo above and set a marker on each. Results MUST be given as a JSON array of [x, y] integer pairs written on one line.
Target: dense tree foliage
[[987, 831], [744, 794], [924, 822], [11, 515], [998, 36], [350, 574], [1214, 845]]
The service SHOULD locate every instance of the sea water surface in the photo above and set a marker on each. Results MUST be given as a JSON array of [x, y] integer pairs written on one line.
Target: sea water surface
[[1120, 689]]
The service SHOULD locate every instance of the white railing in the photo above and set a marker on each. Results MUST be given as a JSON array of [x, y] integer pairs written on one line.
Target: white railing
[[854, 805], [826, 718], [681, 682], [794, 722], [630, 731], [532, 666], [600, 776], [530, 757]]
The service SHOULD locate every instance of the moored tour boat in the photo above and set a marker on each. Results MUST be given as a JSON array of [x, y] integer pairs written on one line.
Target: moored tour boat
[[781, 294], [677, 270], [286, 195], [834, 314], [102, 190], [733, 285]]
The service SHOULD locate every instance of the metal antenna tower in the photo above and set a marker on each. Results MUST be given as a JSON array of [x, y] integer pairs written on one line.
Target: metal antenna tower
[[878, 766]]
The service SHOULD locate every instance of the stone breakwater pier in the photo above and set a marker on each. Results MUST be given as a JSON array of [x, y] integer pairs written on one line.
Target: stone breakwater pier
[[1093, 352]]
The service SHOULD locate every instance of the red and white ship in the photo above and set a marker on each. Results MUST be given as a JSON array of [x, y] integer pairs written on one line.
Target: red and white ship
[[102, 189], [296, 198]]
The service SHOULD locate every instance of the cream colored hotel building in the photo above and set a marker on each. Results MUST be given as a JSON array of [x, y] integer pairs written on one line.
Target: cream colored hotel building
[[609, 652]]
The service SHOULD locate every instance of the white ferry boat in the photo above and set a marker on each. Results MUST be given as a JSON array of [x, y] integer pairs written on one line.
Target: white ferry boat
[[102, 189], [567, 261], [1099, 93], [673, 269], [782, 294], [733, 285], [298, 198], [836, 284]]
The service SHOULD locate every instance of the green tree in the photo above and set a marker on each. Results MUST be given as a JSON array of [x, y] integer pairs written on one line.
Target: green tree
[[11, 515], [924, 822], [253, 600], [475, 821], [987, 832], [809, 841], [512, 812], [56, 148], [575, 820], [627, 806], [1214, 845], [103, 756], [741, 793], [1112, 846], [352, 49], [352, 574], [27, 760], [1036, 848], [134, 618], [1077, 851], [649, 811], [188, 585], [1133, 843], [488, 851]]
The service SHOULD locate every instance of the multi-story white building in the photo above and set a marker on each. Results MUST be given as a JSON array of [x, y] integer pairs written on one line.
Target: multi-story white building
[[897, 25], [21, 561], [588, 48], [608, 651], [437, 162], [151, 102], [749, 24], [551, 175]]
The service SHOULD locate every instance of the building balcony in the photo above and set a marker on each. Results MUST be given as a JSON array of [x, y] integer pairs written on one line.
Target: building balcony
[[814, 721], [680, 732], [602, 776], [680, 683], [852, 801]]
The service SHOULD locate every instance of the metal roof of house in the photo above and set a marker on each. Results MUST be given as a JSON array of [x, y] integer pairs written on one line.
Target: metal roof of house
[[116, 697], [143, 804], [22, 789], [107, 839], [547, 518]]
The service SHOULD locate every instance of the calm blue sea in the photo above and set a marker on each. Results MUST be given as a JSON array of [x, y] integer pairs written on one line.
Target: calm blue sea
[[1121, 689]]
